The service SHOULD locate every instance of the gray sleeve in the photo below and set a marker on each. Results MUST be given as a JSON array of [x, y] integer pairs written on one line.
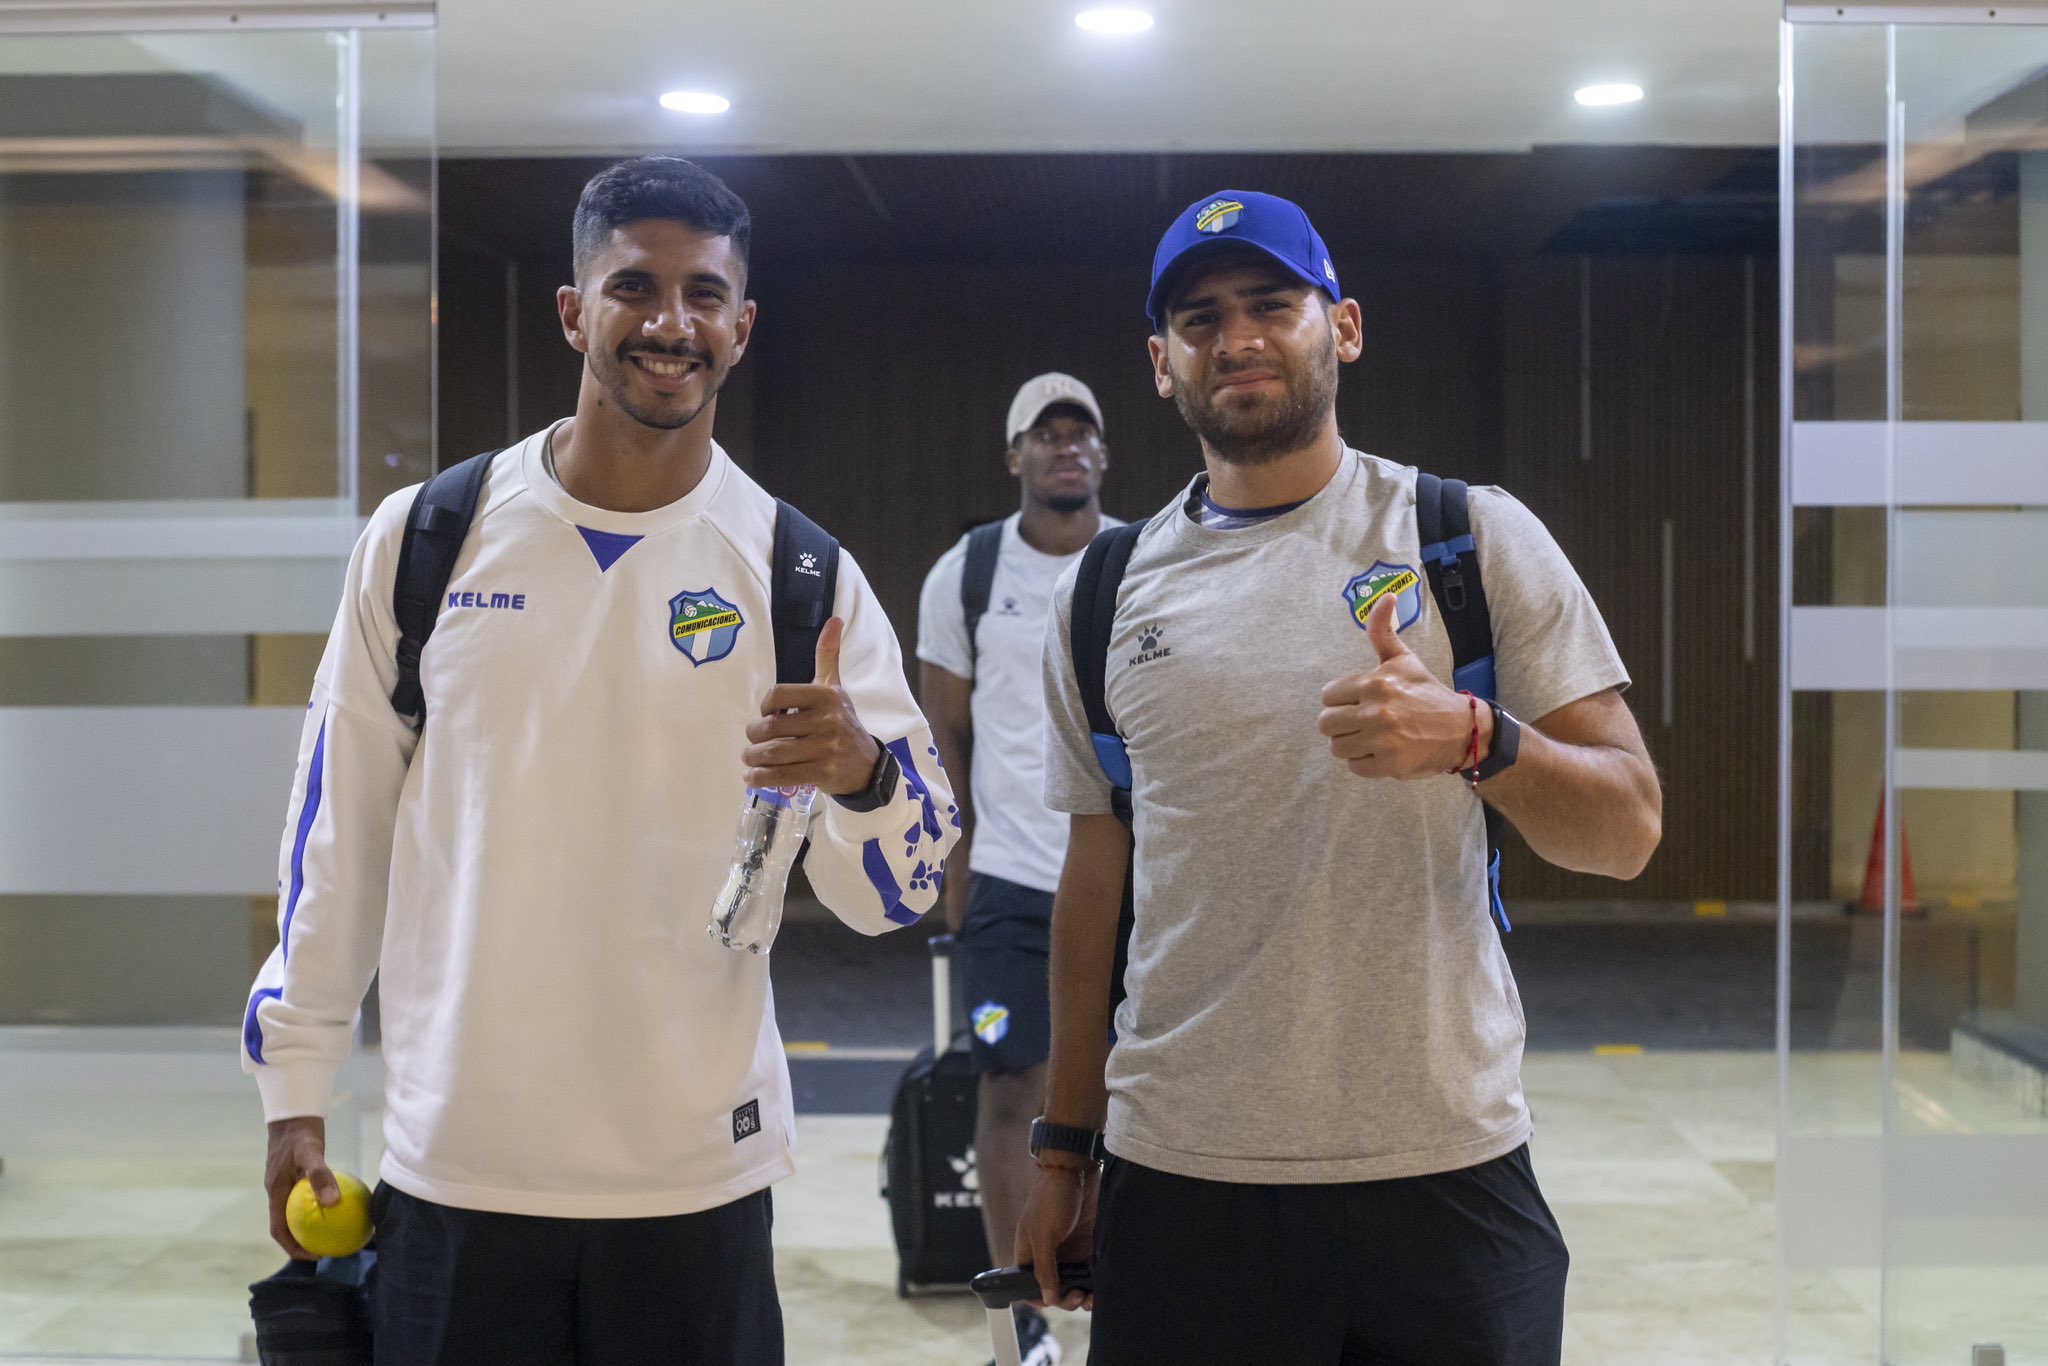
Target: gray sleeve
[[1550, 646], [1074, 780]]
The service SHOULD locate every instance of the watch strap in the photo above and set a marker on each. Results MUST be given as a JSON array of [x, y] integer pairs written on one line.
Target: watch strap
[[1066, 1138], [881, 788]]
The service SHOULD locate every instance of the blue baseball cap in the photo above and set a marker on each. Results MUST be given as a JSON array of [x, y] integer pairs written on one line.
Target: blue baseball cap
[[1266, 223]]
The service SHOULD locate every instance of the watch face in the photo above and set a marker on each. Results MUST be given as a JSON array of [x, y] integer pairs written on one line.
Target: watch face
[[1507, 744]]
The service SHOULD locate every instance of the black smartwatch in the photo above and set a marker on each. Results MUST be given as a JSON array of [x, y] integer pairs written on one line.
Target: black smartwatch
[[1507, 744], [1066, 1138], [881, 788]]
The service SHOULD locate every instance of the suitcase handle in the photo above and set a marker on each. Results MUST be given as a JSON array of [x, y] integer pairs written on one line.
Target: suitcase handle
[[942, 994], [1008, 1285]]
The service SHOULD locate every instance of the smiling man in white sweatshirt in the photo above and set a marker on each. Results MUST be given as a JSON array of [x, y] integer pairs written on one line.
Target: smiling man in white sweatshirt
[[586, 1099]]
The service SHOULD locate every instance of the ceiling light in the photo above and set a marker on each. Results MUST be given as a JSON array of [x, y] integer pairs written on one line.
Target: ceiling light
[[1114, 20], [1597, 96], [695, 102]]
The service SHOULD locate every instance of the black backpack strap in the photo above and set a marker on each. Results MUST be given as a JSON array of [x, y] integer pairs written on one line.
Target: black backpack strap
[[1088, 634], [1443, 522], [984, 544], [1443, 526], [803, 583], [434, 532]]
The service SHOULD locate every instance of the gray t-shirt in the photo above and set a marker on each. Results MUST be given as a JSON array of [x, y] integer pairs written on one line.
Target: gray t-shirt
[[1316, 990]]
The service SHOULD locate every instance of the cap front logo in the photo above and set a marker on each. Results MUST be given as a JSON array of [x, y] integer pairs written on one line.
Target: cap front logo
[[1218, 215]]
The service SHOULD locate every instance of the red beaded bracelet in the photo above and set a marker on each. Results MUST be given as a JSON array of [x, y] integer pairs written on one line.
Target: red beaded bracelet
[[1471, 749]]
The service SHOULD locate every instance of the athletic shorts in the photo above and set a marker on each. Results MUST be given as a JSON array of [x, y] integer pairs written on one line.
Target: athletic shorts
[[1001, 957], [1459, 1268]]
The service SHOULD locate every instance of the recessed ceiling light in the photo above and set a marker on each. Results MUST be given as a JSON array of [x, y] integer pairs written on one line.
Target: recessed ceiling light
[[1114, 20], [1597, 96], [695, 102]]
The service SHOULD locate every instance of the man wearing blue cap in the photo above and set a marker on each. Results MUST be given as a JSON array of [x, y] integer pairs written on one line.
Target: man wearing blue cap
[[1307, 1141]]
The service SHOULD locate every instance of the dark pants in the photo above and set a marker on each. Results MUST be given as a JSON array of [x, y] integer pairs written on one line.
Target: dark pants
[[1461, 1268], [458, 1287]]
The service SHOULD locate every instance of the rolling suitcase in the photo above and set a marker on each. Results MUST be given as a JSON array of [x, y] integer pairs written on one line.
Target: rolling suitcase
[[929, 1174]]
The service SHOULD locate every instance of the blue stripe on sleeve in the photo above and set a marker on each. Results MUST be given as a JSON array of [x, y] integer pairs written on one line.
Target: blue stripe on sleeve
[[929, 811], [307, 812], [252, 1031], [876, 864]]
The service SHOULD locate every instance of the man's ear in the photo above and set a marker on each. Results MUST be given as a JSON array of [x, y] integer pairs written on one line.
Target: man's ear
[[1162, 378], [569, 304], [1013, 461], [742, 330], [1347, 321]]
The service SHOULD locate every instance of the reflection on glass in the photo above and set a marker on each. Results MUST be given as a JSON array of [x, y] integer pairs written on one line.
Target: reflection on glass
[[216, 347], [1914, 1182]]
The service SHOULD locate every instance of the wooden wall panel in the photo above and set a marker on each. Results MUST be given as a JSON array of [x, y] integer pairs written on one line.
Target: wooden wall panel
[[1667, 443], [875, 390]]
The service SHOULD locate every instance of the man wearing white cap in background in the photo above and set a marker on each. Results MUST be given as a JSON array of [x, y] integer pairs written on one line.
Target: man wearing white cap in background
[[980, 642]]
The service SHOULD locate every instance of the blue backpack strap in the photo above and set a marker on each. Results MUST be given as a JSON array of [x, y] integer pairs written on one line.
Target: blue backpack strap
[[435, 529], [1443, 526], [1088, 634], [803, 583], [977, 577]]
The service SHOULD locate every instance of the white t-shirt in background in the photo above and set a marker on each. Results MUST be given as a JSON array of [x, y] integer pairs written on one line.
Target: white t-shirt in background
[[1016, 836]]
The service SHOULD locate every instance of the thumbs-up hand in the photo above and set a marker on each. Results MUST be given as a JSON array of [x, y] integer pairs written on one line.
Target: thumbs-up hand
[[1396, 721], [809, 733]]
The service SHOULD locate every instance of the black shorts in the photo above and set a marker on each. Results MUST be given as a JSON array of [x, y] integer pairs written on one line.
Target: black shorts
[[1461, 1268], [456, 1287], [1002, 956]]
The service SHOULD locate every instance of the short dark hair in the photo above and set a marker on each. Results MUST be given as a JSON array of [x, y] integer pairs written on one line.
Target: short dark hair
[[656, 187]]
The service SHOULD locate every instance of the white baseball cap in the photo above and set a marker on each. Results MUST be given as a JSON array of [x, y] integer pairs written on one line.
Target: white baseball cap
[[1039, 394]]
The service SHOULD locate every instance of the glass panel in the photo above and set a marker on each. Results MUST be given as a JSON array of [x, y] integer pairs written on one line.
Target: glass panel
[[216, 356], [1966, 1194], [1832, 1064]]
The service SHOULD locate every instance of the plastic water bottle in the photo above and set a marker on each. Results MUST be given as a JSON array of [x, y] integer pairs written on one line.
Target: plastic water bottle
[[773, 823]]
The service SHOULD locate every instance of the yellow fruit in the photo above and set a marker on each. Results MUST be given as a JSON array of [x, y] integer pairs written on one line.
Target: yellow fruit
[[329, 1230]]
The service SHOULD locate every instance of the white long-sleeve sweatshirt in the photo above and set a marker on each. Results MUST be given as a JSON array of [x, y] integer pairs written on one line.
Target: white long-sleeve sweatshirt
[[530, 876]]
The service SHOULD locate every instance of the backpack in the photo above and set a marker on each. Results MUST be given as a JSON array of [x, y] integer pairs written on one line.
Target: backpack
[[439, 522], [977, 577], [315, 1313], [1443, 522]]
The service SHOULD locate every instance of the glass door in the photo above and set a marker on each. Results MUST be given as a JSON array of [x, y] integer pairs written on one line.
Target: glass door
[[1913, 1174], [216, 355]]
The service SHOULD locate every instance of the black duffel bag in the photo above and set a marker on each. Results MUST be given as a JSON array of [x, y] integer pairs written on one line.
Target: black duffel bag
[[315, 1313]]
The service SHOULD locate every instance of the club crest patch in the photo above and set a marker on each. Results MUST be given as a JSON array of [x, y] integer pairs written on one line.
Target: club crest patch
[[1219, 215], [1375, 583], [703, 625], [991, 1022]]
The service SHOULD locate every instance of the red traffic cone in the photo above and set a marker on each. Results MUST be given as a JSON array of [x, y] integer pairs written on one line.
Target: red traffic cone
[[1873, 871]]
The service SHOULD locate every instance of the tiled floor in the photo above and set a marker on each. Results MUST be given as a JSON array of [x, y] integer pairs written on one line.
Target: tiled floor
[[1660, 1167]]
